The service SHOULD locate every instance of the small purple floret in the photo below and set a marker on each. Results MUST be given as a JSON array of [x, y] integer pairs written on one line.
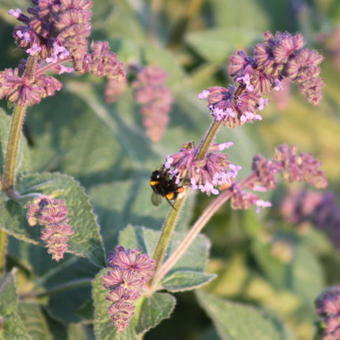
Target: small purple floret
[[52, 214]]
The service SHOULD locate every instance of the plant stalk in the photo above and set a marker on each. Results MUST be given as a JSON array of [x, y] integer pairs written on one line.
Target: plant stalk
[[171, 219], [168, 229], [191, 235], [195, 230], [17, 122], [208, 139], [9, 175], [3, 251]]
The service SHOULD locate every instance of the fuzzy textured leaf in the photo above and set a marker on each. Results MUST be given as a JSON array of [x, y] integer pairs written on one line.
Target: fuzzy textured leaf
[[153, 310], [193, 261], [13, 328], [182, 280], [103, 326], [236, 321], [86, 241], [34, 321], [217, 43]]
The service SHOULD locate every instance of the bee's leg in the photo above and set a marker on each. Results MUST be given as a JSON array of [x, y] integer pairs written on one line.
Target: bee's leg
[[170, 203]]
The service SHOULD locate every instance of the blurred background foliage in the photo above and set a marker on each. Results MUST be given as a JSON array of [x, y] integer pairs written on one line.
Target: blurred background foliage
[[260, 259]]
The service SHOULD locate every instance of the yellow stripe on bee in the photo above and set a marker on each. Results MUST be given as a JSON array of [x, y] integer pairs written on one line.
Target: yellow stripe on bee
[[170, 195], [152, 183]]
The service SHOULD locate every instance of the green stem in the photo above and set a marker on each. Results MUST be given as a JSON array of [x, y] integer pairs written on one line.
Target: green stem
[[194, 232], [167, 230], [8, 180], [15, 135], [3, 251], [208, 139], [171, 219], [12, 149]]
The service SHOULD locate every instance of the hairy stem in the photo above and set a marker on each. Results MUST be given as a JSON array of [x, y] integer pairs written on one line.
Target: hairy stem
[[12, 149], [9, 174], [171, 219], [167, 230], [208, 139], [15, 135], [191, 235], [3, 251]]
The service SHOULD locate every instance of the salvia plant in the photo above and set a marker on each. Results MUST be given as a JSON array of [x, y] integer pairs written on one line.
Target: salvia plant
[[110, 265]]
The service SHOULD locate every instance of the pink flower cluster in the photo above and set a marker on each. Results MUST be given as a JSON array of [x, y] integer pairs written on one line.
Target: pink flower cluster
[[55, 29], [129, 272], [328, 308], [320, 209], [52, 214], [280, 56], [205, 174], [25, 91], [55, 32], [102, 62], [155, 99], [294, 167]]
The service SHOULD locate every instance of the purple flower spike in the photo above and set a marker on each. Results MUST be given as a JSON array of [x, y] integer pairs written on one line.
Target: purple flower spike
[[300, 167], [20, 90], [280, 57], [155, 98], [129, 271], [322, 210], [102, 62], [55, 30], [266, 172], [53, 215], [206, 174], [231, 106], [242, 200], [328, 308]]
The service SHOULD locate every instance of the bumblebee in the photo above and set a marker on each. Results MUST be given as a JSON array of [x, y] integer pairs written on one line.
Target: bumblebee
[[164, 185]]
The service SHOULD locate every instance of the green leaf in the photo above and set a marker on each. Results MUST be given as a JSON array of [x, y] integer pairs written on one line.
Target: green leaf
[[13, 220], [5, 123], [34, 321], [235, 321], [216, 44], [159, 56], [153, 310], [103, 326], [193, 261], [248, 14], [186, 280], [86, 241], [13, 328], [300, 272]]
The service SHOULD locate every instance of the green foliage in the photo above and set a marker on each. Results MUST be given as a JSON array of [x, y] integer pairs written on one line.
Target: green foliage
[[151, 311], [188, 272], [13, 326], [237, 321], [98, 158], [86, 240], [34, 321], [216, 44]]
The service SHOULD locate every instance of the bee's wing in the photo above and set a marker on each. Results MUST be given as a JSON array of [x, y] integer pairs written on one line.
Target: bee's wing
[[156, 199]]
